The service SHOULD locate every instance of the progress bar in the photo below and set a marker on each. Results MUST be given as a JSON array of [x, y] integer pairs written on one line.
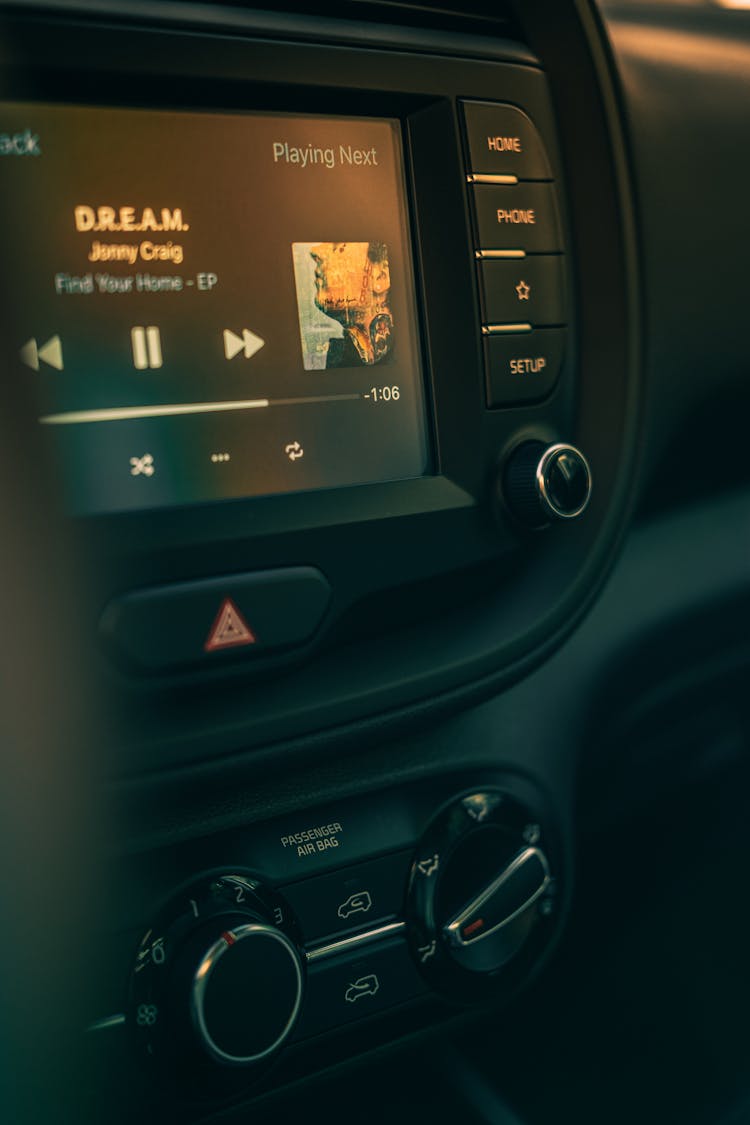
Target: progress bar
[[128, 413]]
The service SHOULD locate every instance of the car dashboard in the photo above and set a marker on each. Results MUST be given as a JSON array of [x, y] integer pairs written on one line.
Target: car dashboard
[[376, 585]]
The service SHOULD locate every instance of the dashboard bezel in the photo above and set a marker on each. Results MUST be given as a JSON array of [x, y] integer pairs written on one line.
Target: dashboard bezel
[[459, 423], [411, 537]]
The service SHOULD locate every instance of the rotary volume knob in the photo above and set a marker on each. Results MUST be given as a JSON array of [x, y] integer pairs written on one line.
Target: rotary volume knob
[[545, 483]]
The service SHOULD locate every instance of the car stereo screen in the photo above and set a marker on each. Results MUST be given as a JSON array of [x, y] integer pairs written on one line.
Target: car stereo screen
[[214, 305]]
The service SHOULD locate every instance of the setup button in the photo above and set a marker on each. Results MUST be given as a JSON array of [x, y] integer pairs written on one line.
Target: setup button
[[522, 367]]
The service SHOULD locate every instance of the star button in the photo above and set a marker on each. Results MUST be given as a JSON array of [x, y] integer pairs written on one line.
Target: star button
[[523, 289]]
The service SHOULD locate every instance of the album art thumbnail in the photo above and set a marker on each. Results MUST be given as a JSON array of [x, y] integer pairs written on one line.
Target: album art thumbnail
[[343, 300]]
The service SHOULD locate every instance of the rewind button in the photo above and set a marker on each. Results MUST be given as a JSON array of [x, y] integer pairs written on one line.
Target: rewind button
[[50, 353]]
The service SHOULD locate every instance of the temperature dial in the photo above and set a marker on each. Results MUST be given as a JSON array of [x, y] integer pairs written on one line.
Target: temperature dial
[[481, 892]]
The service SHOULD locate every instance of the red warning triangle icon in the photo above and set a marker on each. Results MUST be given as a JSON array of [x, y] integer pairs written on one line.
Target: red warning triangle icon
[[229, 630]]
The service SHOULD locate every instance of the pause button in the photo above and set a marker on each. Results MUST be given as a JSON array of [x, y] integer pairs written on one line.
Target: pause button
[[146, 344]]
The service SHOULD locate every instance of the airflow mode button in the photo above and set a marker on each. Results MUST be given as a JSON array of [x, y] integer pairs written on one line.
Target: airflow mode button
[[502, 140]]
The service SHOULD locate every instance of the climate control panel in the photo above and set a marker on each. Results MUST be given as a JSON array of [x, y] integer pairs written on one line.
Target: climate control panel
[[239, 967]]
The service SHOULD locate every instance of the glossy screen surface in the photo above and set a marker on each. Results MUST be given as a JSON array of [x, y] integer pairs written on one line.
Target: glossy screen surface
[[212, 306]]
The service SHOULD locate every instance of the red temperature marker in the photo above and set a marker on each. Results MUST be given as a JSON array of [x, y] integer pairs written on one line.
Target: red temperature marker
[[229, 630], [473, 927]]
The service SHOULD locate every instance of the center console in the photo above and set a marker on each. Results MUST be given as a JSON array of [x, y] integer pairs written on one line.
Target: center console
[[332, 342], [298, 939], [304, 332]]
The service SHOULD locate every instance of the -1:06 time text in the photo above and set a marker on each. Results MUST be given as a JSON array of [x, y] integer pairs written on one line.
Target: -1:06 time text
[[384, 394]]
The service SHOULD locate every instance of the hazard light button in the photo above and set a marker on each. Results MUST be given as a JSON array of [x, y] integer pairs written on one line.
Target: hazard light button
[[215, 620], [229, 630]]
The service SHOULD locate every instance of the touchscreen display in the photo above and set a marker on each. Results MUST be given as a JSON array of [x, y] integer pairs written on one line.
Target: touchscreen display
[[212, 305]]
